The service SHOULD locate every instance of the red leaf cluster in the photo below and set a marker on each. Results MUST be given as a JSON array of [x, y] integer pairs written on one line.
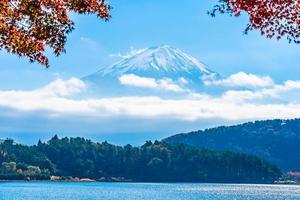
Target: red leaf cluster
[[274, 18], [27, 27]]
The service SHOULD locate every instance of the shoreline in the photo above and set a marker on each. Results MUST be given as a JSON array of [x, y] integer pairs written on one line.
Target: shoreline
[[49, 181]]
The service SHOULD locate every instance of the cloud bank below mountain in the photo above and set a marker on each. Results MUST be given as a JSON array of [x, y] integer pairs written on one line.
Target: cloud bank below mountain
[[65, 99]]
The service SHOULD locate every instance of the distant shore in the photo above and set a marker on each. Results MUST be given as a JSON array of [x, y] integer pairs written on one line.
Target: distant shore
[[75, 180], [97, 181]]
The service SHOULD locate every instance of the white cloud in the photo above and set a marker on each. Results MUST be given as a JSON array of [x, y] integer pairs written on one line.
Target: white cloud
[[168, 85], [144, 82], [52, 97], [278, 92], [62, 99], [183, 81], [279, 89], [242, 79], [132, 52], [63, 88], [137, 81]]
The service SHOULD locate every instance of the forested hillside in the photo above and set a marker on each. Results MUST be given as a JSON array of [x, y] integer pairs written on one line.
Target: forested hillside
[[277, 141], [152, 162]]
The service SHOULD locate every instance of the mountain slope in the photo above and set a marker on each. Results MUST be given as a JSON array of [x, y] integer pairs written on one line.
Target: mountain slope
[[277, 141]]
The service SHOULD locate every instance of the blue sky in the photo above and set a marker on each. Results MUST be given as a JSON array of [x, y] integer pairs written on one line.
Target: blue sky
[[218, 42]]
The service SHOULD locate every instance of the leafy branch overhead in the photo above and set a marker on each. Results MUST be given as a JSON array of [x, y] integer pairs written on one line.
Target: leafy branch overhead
[[27, 27], [274, 18]]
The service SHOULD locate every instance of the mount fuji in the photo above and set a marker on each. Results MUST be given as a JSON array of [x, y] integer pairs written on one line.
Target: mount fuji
[[162, 70]]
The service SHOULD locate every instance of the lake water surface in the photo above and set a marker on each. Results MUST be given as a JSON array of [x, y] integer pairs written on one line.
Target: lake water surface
[[145, 191]]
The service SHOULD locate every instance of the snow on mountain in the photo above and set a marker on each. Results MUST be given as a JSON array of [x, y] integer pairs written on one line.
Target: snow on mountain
[[157, 61], [157, 68]]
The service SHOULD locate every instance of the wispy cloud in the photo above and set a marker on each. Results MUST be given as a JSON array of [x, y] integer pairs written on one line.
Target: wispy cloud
[[242, 79], [87, 40], [128, 54]]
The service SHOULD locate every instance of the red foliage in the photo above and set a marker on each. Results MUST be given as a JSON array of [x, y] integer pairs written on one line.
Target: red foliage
[[274, 18], [27, 27]]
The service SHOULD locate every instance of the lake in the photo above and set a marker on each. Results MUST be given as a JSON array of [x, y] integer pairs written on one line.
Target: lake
[[145, 191]]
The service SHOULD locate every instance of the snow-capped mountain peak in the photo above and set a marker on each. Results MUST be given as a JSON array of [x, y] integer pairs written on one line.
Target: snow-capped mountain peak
[[152, 69], [159, 62]]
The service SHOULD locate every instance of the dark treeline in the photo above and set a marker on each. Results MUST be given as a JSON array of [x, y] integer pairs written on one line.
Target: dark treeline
[[152, 162], [277, 141]]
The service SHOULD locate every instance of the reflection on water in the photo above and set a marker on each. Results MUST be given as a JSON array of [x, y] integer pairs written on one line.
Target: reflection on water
[[145, 191]]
